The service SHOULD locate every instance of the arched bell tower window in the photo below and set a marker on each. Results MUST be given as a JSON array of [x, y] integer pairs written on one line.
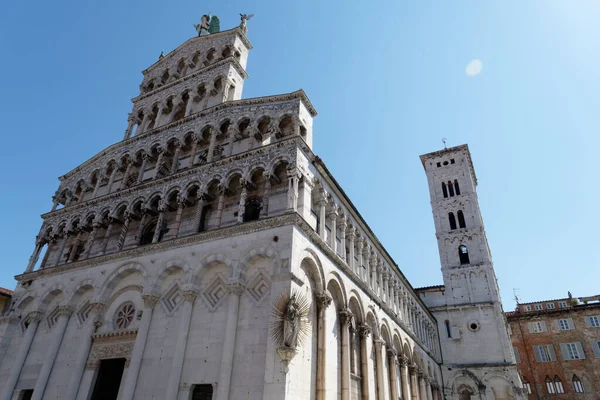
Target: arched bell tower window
[[461, 219], [444, 189], [463, 254], [148, 233], [452, 221], [450, 189], [252, 209], [456, 188]]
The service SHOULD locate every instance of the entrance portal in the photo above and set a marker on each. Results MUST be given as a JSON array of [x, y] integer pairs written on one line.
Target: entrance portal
[[109, 379]]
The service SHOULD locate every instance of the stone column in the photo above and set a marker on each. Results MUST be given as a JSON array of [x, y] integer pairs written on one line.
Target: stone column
[[235, 290], [159, 223], [124, 228], [175, 163], [142, 168], [61, 247], [423, 391], [364, 330], [189, 293], [220, 204], [130, 124], [264, 211], [242, 204], [428, 389], [126, 174], [111, 179], [323, 301], [111, 221], [211, 144], [99, 180], [345, 321], [343, 227], [359, 253], [333, 239], [190, 102], [55, 203], [64, 314], [74, 247], [322, 218], [385, 294], [412, 369], [373, 272], [351, 261], [90, 240], [232, 134], [137, 353], [84, 350], [39, 245], [403, 360], [143, 125], [143, 221], [159, 159], [11, 382], [379, 368], [193, 151], [180, 207], [69, 198], [392, 357], [293, 178], [199, 208]]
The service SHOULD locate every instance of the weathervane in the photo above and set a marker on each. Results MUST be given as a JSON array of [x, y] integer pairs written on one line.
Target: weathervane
[[444, 141], [244, 18]]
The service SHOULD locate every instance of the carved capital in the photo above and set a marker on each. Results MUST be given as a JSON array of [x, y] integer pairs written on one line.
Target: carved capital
[[393, 354], [364, 330], [150, 300], [412, 369], [65, 310], [346, 317], [190, 292], [323, 300], [403, 361], [235, 287]]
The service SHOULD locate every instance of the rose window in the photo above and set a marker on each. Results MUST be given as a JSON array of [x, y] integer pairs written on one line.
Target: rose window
[[124, 315]]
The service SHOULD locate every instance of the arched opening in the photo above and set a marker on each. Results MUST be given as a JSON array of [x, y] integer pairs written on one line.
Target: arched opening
[[526, 385], [450, 189], [227, 52], [461, 219], [444, 189], [463, 254], [464, 394], [558, 386], [165, 77], [550, 385], [577, 385], [286, 126], [452, 221], [243, 127], [264, 130], [252, 209], [456, 188], [148, 233], [180, 109], [210, 56], [448, 331], [181, 68]]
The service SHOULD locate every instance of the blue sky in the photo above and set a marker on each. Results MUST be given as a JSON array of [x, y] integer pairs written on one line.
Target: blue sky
[[388, 80]]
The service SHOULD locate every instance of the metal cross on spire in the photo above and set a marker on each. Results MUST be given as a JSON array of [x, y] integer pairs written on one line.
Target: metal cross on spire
[[444, 141]]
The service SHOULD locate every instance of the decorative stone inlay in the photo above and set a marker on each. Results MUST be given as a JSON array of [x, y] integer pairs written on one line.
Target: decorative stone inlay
[[259, 287], [124, 315], [215, 293], [172, 299]]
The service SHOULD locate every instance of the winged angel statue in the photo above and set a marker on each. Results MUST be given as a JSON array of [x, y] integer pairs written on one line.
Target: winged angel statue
[[208, 24]]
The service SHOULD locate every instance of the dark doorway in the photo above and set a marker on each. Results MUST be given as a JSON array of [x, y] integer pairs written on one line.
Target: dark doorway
[[203, 215], [109, 379], [252, 209], [202, 392], [26, 394]]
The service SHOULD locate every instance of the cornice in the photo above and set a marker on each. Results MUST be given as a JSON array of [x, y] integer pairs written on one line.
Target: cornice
[[456, 149], [121, 334], [236, 31], [298, 141], [297, 95], [229, 60]]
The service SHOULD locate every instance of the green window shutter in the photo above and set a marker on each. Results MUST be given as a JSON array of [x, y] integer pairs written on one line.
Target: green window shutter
[[543, 324], [530, 327], [580, 350], [551, 352], [565, 351], [536, 351]]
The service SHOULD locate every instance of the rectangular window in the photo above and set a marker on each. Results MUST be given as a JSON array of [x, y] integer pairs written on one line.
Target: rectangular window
[[202, 392], [550, 306], [544, 353], [572, 351], [593, 321], [562, 304], [527, 387], [537, 326], [565, 324], [596, 348], [527, 308], [538, 307]]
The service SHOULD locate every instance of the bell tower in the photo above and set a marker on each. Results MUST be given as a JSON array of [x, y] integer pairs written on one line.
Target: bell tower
[[473, 330]]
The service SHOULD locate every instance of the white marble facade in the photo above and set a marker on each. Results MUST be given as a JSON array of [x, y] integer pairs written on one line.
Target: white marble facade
[[168, 250]]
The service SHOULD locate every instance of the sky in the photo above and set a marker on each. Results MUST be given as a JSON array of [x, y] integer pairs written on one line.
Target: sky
[[516, 80]]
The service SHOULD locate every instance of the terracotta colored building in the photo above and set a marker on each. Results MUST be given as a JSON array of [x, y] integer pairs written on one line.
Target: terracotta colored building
[[557, 347]]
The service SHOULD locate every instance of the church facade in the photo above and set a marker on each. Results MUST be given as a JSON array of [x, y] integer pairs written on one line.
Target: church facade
[[210, 254]]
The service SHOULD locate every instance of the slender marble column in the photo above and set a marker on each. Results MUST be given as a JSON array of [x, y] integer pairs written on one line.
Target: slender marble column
[[138, 348], [111, 221], [124, 228], [264, 211], [364, 330], [323, 301], [190, 102], [61, 247], [142, 168], [84, 350], [64, 314], [126, 175], [333, 240], [351, 261], [159, 159], [343, 227], [392, 359], [211, 145], [198, 215], [159, 222], [423, 391], [74, 247], [346, 321], [193, 151], [11, 382], [180, 207], [99, 180], [322, 218], [189, 294], [111, 179], [55, 203], [359, 253], [414, 387], [175, 164], [293, 178], [379, 368], [222, 191], [403, 360], [35, 255], [235, 290], [130, 124], [242, 204], [428, 389]]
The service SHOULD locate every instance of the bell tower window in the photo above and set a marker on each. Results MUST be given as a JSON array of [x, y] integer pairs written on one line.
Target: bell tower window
[[456, 188], [463, 254], [452, 221], [450, 189], [444, 189], [461, 219]]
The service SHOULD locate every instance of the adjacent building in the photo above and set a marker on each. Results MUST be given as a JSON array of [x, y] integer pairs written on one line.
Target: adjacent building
[[557, 347], [210, 254]]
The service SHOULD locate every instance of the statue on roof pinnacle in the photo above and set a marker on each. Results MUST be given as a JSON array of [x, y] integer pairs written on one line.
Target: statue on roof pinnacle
[[208, 24], [244, 18]]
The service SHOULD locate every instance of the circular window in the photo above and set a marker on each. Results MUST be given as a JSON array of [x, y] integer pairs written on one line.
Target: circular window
[[124, 315], [473, 325]]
